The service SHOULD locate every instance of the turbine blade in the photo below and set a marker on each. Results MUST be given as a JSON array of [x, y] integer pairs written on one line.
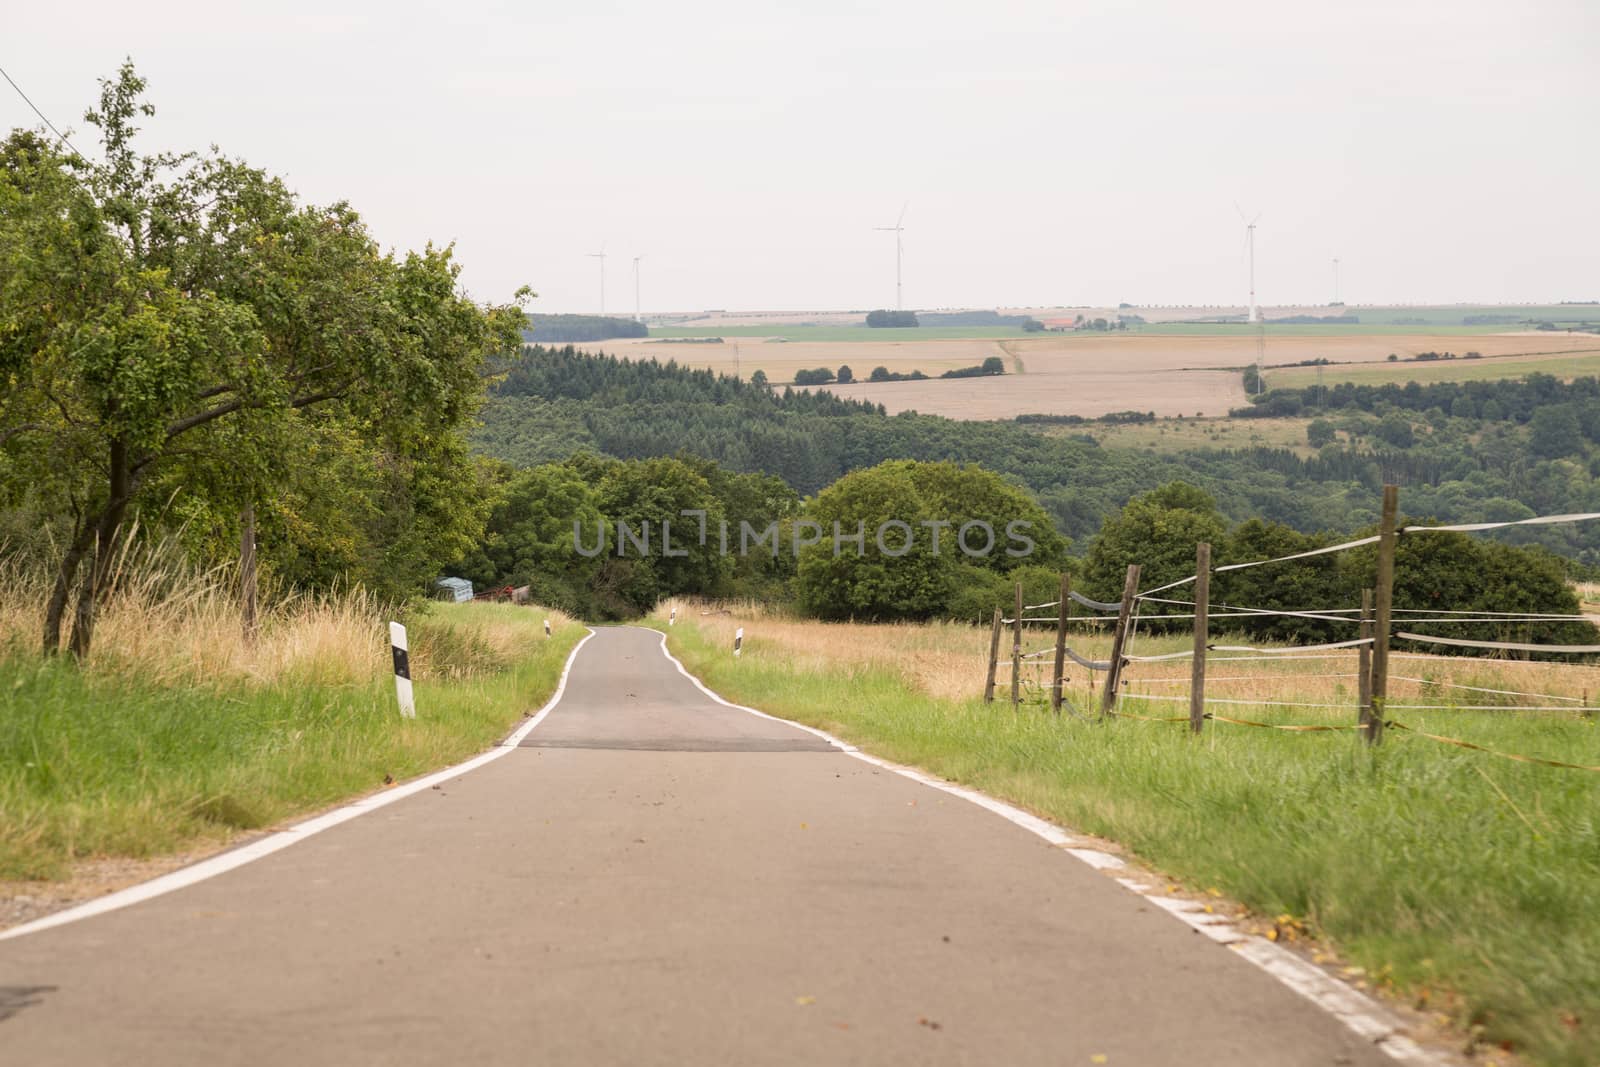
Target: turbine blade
[[902, 218]]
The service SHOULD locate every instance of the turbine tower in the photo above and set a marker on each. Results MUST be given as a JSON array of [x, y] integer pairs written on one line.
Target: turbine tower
[[636, 317], [897, 229], [1250, 243], [601, 256], [1336, 279]]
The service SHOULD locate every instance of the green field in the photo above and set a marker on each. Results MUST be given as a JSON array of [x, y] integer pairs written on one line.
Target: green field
[[1444, 316], [1178, 435], [1298, 329], [1463, 883], [1577, 365], [826, 334]]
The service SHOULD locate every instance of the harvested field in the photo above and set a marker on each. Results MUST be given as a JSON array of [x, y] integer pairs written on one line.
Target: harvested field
[[1093, 374]]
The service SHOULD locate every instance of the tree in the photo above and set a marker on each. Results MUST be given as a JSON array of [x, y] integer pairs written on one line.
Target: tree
[[993, 365], [1320, 432], [1554, 432], [895, 576], [846, 375], [1158, 531], [1395, 429], [184, 314]]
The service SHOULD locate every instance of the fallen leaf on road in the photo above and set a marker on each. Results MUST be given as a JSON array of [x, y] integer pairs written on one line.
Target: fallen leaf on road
[[803, 1001], [1099, 1057], [929, 1023]]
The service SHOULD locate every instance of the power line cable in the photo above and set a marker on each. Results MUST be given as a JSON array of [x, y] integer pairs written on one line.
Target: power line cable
[[59, 136]]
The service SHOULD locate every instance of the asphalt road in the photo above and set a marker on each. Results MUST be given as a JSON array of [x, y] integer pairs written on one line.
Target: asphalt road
[[654, 878]]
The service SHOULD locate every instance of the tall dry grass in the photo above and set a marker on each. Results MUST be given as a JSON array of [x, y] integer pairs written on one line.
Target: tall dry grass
[[168, 622], [948, 661]]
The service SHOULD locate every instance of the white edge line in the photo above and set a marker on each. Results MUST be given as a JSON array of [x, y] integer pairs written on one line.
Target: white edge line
[[266, 846], [1359, 1012]]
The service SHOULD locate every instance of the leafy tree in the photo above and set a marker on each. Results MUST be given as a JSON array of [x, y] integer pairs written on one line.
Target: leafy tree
[[1554, 431], [846, 375], [819, 376], [1395, 429], [901, 578], [1320, 432], [178, 320], [1158, 531]]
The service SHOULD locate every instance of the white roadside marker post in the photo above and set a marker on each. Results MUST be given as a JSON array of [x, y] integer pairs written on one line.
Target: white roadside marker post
[[738, 641], [547, 627], [402, 670], [672, 616]]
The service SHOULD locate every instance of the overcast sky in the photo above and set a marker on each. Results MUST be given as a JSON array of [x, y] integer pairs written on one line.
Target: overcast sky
[[1055, 152]]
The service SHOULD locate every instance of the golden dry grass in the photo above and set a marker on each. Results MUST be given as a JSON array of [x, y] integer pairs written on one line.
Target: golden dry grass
[[172, 625], [949, 661]]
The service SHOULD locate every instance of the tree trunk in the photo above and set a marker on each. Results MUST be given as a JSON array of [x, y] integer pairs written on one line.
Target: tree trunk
[[59, 595], [105, 530]]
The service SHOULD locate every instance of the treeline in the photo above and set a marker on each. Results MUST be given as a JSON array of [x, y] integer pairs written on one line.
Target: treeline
[[972, 318], [606, 538], [568, 329], [1516, 399], [559, 403], [883, 319], [1433, 571], [991, 366]]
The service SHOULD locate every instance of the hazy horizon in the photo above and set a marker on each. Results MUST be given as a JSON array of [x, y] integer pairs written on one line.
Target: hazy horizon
[[1049, 157]]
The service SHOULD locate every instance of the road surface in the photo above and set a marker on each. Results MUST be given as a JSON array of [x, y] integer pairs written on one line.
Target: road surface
[[655, 878]]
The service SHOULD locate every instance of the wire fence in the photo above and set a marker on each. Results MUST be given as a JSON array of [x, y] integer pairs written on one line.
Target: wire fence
[[1380, 628]]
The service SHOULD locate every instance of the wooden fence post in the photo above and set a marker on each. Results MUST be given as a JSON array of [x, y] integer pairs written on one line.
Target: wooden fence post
[[1063, 613], [1016, 652], [1130, 589], [994, 658], [247, 572], [1364, 662], [1384, 604], [1202, 635]]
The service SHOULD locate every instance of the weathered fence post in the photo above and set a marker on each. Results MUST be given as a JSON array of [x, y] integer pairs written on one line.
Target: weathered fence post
[[1364, 662], [1063, 613], [994, 657], [1202, 635], [1385, 603], [1130, 589], [1016, 652]]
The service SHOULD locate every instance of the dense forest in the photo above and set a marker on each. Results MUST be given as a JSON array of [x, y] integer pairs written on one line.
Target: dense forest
[[557, 403]]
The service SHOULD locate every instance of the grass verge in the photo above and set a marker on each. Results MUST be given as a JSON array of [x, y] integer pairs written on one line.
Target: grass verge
[[114, 762], [1463, 883]]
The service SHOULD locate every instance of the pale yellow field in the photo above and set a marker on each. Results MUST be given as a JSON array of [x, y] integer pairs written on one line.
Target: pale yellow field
[[1085, 374]]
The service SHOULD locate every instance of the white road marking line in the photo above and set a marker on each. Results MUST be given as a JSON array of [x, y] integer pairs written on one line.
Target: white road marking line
[[266, 846], [1363, 1015]]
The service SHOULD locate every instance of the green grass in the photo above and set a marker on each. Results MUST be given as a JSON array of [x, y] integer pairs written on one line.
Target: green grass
[[1466, 883], [1577, 365], [801, 332], [1298, 329], [1168, 436], [97, 765]]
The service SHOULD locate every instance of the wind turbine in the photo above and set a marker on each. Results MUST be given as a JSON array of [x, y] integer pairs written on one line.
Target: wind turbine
[[1335, 280], [636, 317], [897, 229], [1250, 243], [1255, 312], [601, 256]]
